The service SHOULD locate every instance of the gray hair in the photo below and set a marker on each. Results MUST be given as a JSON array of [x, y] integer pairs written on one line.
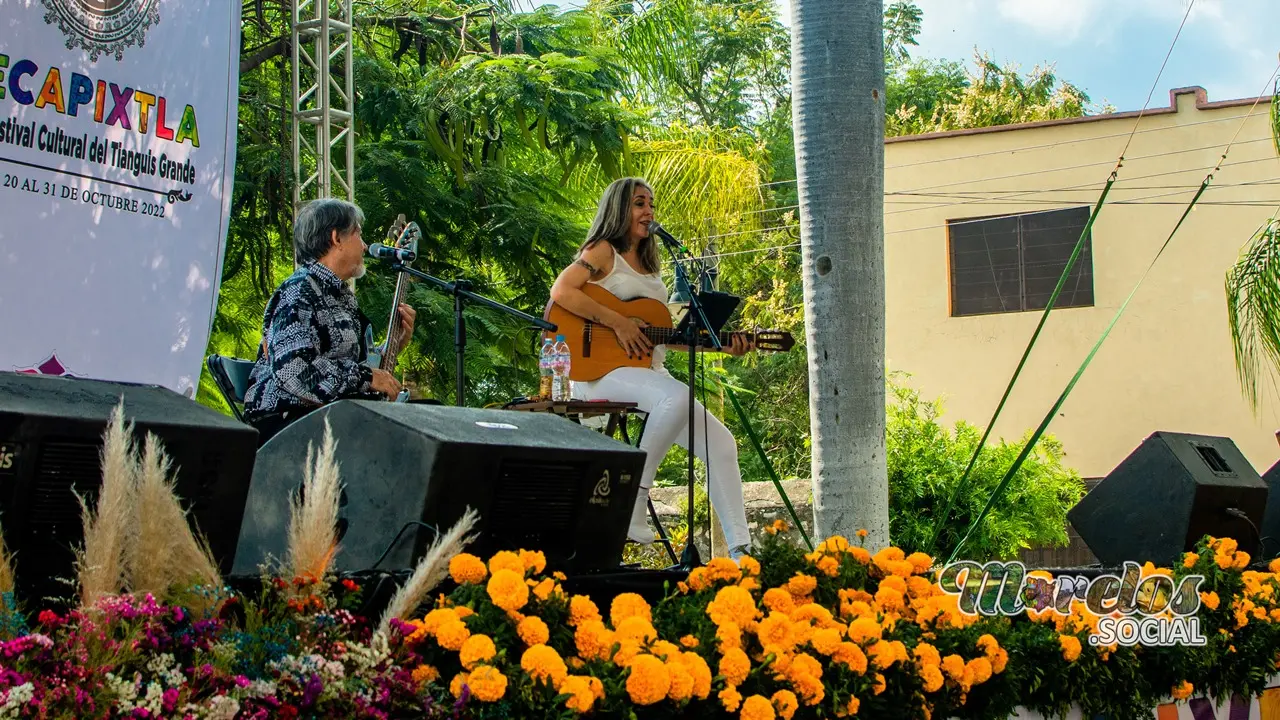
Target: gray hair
[[613, 222], [313, 230]]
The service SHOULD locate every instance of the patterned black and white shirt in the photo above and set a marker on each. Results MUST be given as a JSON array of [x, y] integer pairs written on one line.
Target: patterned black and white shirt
[[316, 342]]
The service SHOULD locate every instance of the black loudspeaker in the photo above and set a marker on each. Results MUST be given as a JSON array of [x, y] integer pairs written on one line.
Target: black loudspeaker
[[1271, 517], [1171, 491], [51, 432], [538, 482]]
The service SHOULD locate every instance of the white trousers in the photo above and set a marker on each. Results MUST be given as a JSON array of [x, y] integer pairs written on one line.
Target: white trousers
[[666, 400]]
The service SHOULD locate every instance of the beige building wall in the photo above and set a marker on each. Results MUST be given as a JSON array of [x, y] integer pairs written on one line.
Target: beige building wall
[[1168, 364]]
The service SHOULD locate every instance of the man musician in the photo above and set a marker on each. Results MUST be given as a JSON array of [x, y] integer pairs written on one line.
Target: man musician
[[315, 339]]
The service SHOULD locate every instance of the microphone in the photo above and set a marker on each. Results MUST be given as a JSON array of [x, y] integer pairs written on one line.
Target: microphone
[[383, 252], [666, 237]]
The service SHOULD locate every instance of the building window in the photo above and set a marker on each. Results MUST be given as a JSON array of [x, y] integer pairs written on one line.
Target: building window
[[1012, 263]]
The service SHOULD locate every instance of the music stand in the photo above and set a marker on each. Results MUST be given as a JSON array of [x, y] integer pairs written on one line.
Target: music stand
[[718, 308]]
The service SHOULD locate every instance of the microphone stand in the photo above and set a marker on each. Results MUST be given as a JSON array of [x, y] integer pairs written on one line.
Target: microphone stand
[[461, 292], [697, 319]]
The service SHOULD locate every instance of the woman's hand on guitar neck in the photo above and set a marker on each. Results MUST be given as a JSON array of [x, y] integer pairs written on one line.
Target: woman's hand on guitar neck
[[631, 338], [738, 345]]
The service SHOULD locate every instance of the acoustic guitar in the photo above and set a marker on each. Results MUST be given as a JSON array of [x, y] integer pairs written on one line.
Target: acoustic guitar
[[594, 350]]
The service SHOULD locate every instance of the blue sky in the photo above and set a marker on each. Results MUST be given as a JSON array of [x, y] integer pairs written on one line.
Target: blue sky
[[1110, 48], [1113, 48]]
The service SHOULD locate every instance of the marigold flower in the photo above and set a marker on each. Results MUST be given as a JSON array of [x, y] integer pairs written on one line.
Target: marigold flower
[[1190, 559], [544, 664], [735, 666], [452, 634], [1209, 600], [699, 671], [487, 684], [648, 680], [1000, 659], [467, 569], [665, 650], [730, 698], [825, 640], [927, 654], [581, 696], [455, 685], [507, 590], [533, 560], [775, 633], [953, 666], [829, 566], [628, 605], [861, 555], [890, 599], [980, 668], [749, 565], [851, 656], [920, 562], [778, 600], [581, 609], [801, 585], [1182, 690], [506, 560], [424, 674], [931, 676], [681, 681], [854, 703], [1070, 647], [545, 589], [593, 640], [785, 703], [777, 527], [864, 629], [476, 650], [729, 636], [733, 604], [1274, 566], [757, 707], [533, 631], [636, 629], [689, 641]]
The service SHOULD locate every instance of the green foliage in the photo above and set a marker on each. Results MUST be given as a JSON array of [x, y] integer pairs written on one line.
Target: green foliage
[[926, 460], [932, 96]]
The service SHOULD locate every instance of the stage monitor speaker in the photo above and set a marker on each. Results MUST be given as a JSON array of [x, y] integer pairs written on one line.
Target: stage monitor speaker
[[1270, 528], [538, 481], [51, 431], [1171, 491]]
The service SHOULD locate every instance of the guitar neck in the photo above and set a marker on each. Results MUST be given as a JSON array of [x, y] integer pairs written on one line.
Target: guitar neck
[[665, 336]]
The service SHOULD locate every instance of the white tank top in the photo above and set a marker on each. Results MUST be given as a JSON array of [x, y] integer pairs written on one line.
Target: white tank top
[[627, 284]]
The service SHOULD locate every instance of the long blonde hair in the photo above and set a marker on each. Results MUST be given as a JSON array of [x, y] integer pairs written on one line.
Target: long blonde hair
[[613, 223]]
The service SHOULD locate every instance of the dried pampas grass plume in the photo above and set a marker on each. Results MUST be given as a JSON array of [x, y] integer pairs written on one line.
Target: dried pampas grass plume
[[431, 570], [166, 553], [313, 518], [108, 527], [6, 568]]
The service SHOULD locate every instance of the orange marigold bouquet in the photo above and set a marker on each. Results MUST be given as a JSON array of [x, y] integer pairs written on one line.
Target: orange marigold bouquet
[[837, 632]]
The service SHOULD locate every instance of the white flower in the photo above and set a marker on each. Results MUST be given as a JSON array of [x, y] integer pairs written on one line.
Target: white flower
[[223, 707], [15, 698]]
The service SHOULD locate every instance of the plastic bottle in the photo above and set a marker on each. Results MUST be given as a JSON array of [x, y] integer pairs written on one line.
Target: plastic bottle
[[560, 386], [546, 370]]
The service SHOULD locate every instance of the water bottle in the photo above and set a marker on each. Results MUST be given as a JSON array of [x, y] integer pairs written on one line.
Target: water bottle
[[560, 388], [546, 370]]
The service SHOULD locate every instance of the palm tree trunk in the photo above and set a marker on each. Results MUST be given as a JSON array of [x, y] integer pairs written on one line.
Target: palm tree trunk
[[838, 118]]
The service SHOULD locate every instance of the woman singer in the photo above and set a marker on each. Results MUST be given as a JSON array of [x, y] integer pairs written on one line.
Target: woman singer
[[622, 257]]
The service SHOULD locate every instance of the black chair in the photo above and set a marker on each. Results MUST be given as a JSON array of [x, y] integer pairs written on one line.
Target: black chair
[[231, 375]]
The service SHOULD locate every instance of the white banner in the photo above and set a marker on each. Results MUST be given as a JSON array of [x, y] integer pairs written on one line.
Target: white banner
[[117, 155]]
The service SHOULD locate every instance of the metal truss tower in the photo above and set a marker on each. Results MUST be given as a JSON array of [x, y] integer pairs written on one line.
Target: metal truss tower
[[323, 100]]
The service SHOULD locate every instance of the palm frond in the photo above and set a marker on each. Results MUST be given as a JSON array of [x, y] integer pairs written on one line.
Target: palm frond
[[1253, 310]]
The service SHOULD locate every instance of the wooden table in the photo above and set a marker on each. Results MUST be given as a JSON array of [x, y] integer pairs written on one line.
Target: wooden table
[[618, 413]]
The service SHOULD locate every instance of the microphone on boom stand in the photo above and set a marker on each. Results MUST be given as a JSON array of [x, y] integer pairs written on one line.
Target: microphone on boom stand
[[696, 319]]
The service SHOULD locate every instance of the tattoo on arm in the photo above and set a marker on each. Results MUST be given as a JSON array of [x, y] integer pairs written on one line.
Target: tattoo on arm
[[590, 268]]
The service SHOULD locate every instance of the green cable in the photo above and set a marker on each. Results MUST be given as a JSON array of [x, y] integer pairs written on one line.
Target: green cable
[[1008, 476]]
